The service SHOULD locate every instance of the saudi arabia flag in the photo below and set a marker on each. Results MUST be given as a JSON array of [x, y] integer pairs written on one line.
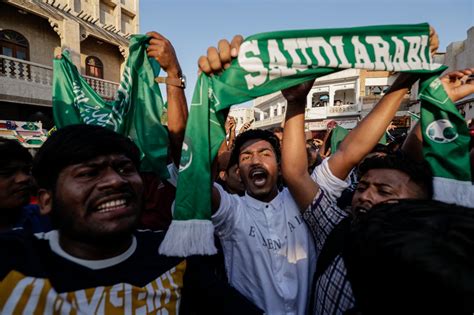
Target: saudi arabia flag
[[445, 144], [135, 111]]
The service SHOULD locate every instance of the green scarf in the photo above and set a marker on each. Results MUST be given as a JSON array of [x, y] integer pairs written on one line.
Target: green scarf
[[267, 63], [445, 144], [135, 112]]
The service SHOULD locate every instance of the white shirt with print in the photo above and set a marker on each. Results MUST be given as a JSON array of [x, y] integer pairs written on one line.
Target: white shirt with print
[[269, 252]]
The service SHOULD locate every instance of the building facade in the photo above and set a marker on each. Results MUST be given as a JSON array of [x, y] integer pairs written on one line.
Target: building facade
[[345, 97], [96, 32]]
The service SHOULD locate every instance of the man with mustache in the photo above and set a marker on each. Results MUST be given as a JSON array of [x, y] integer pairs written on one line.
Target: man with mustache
[[95, 262], [269, 254]]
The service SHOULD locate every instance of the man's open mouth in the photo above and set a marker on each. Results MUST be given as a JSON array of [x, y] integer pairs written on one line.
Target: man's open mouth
[[258, 176]]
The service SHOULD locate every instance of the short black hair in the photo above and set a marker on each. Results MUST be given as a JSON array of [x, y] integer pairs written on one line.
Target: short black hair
[[418, 171], [11, 150], [77, 144], [250, 135], [412, 257]]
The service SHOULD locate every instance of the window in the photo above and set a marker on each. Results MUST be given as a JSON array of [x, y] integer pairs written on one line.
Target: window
[[94, 67], [13, 44], [319, 99], [344, 97]]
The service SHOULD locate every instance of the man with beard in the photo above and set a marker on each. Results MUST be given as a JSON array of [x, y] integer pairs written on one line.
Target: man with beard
[[269, 254], [95, 262], [16, 188]]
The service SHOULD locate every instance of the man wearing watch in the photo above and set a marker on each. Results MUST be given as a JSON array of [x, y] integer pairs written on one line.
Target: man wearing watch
[[162, 50], [159, 195]]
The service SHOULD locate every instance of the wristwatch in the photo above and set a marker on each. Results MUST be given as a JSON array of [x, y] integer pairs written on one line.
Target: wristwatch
[[179, 82]]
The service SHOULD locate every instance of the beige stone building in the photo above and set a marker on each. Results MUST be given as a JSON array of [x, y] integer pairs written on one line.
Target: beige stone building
[[460, 55], [95, 31]]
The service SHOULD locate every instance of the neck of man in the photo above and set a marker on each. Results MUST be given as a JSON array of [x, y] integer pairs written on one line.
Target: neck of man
[[97, 249], [266, 197], [9, 218]]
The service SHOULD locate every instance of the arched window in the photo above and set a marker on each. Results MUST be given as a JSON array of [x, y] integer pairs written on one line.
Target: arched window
[[94, 67], [13, 44]]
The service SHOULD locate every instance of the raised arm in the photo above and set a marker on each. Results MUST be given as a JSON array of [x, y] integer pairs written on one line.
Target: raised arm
[[361, 140], [294, 164], [231, 132], [162, 50]]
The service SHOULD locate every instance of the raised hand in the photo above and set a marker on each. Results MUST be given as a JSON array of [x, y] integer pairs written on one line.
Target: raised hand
[[229, 124], [458, 84], [434, 41], [245, 126], [162, 50], [298, 93], [218, 59]]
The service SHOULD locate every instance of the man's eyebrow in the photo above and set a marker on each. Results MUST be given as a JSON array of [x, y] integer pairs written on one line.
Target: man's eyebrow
[[375, 184], [260, 150], [88, 164]]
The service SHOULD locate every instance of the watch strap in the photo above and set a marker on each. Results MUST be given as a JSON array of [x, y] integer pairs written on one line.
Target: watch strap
[[179, 82]]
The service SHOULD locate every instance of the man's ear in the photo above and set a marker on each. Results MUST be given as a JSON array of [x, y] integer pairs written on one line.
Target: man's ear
[[223, 175], [237, 171], [45, 201]]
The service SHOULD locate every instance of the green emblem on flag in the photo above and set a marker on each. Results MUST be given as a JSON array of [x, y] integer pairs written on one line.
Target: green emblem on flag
[[441, 131], [186, 154]]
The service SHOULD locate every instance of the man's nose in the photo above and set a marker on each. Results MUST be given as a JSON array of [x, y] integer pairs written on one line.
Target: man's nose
[[367, 196], [111, 178], [256, 159]]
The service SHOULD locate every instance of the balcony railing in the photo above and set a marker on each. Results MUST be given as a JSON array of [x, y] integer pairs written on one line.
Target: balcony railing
[[341, 110], [25, 70], [269, 121], [104, 88], [28, 71]]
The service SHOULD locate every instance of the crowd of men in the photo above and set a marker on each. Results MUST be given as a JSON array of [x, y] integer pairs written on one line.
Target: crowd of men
[[351, 232]]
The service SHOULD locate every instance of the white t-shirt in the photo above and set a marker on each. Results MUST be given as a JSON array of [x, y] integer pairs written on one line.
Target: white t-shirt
[[269, 252]]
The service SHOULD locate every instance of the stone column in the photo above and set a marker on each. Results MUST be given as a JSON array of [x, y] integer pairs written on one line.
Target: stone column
[[71, 40]]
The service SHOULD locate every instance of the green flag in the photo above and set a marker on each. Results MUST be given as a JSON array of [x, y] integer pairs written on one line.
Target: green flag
[[267, 63], [135, 111], [445, 144], [337, 135]]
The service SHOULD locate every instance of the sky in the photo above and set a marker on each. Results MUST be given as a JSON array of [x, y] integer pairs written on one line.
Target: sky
[[192, 25]]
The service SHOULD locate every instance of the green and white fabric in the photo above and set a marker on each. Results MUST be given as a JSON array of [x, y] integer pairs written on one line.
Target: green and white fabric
[[135, 111], [445, 144], [267, 63]]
